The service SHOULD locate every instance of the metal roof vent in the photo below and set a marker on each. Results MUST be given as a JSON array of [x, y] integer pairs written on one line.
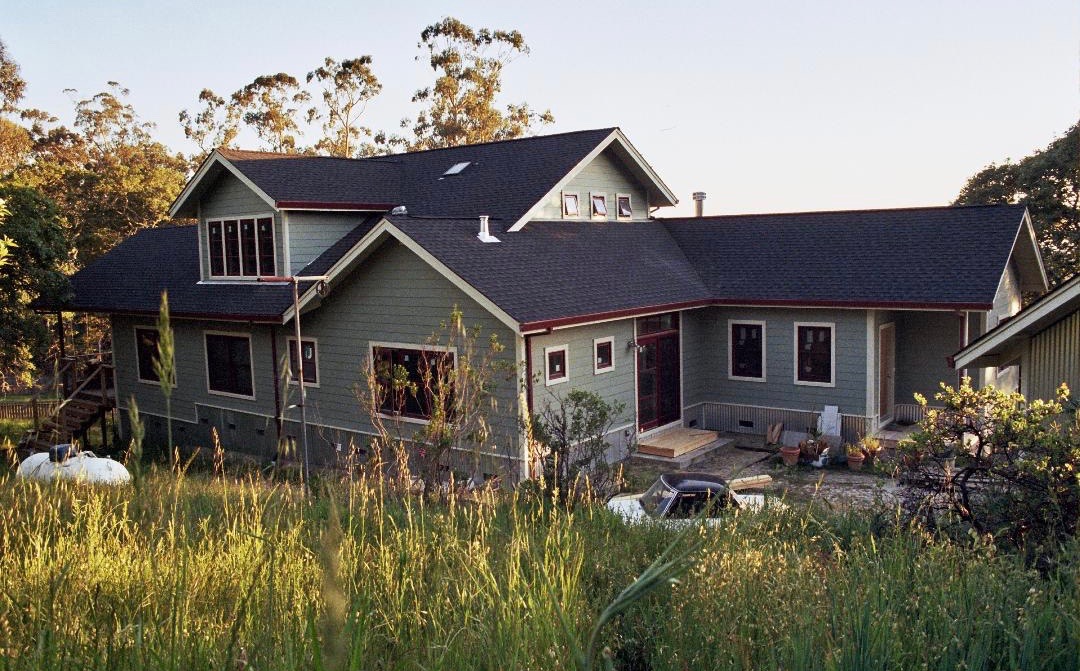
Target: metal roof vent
[[457, 168], [485, 231], [400, 209]]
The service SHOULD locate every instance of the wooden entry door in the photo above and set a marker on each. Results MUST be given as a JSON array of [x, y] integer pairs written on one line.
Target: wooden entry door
[[886, 371], [659, 397]]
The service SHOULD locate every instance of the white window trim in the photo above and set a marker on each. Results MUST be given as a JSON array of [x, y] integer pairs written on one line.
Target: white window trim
[[597, 217], [832, 354], [222, 219], [630, 200], [566, 364], [595, 344], [562, 204], [764, 350], [138, 373], [372, 344], [251, 364], [318, 366]]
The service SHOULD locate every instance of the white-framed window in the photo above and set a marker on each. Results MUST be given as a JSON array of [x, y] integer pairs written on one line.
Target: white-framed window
[[603, 355], [815, 354], [624, 209], [746, 350], [309, 348], [556, 365], [571, 206], [241, 246], [146, 350], [400, 370], [229, 368], [598, 205]]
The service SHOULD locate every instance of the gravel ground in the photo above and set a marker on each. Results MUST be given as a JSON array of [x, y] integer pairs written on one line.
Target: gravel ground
[[836, 487]]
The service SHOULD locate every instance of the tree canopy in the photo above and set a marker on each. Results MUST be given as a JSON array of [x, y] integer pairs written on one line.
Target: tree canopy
[[1048, 182]]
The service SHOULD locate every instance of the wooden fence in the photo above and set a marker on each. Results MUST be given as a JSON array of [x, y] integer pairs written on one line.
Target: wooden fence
[[26, 409]]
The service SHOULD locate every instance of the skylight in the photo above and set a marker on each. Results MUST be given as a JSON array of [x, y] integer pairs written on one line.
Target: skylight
[[457, 168]]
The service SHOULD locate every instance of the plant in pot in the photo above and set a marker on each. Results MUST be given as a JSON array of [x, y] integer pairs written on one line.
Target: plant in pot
[[813, 446], [855, 457], [871, 448], [790, 454]]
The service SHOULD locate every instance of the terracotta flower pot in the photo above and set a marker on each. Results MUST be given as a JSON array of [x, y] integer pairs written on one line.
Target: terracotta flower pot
[[855, 461], [790, 454]]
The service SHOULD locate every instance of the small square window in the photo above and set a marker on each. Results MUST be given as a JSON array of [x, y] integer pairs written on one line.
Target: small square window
[[556, 365], [599, 206], [622, 206], [603, 355], [570, 206]]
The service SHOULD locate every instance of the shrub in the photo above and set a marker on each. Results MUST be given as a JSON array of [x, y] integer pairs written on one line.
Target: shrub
[[574, 429], [992, 463]]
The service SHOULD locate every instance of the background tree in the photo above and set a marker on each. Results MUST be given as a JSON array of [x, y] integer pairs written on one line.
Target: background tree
[[215, 125], [346, 89], [1048, 182], [14, 139], [35, 250], [269, 105], [461, 105]]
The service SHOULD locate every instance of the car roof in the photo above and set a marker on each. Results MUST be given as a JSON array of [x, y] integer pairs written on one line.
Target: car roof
[[694, 482]]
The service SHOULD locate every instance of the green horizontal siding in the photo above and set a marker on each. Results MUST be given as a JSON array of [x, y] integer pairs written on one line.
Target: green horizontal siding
[[312, 233], [604, 174], [229, 197]]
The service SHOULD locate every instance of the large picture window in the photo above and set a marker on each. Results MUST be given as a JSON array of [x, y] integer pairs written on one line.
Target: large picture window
[[146, 350], [746, 350], [241, 247], [228, 365], [814, 353], [400, 372]]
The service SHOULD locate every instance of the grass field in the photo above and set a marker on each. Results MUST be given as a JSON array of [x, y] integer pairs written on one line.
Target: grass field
[[201, 572]]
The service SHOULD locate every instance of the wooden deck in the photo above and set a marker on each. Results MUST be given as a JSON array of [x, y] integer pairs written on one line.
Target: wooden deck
[[676, 442]]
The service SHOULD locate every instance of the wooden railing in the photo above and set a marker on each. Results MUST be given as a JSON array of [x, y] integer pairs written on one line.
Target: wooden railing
[[33, 409]]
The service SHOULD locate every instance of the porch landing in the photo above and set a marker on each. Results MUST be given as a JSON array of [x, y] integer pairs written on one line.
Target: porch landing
[[680, 446]]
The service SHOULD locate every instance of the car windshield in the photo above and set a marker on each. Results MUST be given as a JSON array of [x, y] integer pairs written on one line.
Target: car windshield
[[656, 500]]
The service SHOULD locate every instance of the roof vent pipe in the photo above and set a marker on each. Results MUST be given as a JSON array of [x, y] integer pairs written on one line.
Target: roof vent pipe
[[485, 230], [699, 203]]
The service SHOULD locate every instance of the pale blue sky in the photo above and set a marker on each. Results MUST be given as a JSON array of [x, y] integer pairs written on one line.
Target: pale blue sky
[[767, 106]]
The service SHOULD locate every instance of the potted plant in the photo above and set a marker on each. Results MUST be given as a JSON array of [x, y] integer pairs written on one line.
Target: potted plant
[[855, 457], [813, 446], [871, 447], [790, 454]]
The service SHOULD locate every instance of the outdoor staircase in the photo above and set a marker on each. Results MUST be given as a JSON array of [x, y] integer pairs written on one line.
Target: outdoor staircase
[[91, 400]]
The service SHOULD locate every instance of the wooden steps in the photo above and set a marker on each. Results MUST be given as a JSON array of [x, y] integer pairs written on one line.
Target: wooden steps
[[676, 442]]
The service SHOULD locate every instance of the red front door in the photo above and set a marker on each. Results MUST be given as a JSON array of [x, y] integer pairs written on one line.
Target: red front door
[[658, 371]]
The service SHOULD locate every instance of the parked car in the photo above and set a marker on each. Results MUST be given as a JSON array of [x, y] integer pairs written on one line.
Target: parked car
[[681, 496]]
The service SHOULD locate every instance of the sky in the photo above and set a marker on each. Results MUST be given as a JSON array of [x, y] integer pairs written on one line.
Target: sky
[[765, 106]]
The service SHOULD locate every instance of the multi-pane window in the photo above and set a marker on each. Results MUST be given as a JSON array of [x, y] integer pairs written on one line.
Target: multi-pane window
[[747, 343], [241, 247], [146, 350], [410, 379], [310, 351], [555, 364], [814, 353], [228, 364], [603, 354]]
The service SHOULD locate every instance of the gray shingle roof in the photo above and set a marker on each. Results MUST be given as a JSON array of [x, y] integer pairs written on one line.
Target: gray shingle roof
[[929, 255]]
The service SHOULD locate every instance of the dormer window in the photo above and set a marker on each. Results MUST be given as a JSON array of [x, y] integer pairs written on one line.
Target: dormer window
[[457, 168], [241, 247], [570, 207], [623, 209], [599, 206]]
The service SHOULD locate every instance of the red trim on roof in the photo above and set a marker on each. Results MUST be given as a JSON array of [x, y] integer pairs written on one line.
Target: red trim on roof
[[210, 316], [633, 312], [327, 205]]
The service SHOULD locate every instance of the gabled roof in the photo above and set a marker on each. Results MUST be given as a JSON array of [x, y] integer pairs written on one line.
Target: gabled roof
[[1032, 320], [926, 257], [503, 180]]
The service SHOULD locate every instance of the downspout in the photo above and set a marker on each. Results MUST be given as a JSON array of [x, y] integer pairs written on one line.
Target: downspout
[[277, 390]]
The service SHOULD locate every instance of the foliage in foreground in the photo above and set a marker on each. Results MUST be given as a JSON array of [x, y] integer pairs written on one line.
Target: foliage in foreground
[[992, 463], [193, 572]]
